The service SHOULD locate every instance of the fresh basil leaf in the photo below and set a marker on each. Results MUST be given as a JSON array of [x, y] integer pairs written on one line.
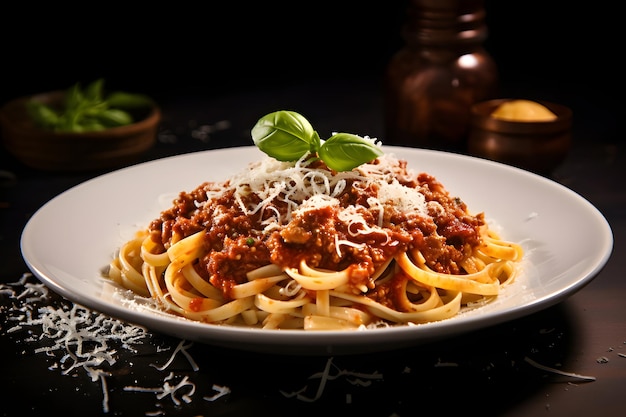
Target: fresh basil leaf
[[113, 117], [89, 125], [68, 122], [285, 135], [120, 99], [88, 109], [345, 151], [95, 91], [92, 109], [73, 98], [43, 115]]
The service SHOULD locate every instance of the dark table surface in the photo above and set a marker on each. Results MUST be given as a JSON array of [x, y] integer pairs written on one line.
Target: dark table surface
[[485, 372]]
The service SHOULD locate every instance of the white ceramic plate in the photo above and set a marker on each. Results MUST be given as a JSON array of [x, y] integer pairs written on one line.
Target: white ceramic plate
[[74, 236]]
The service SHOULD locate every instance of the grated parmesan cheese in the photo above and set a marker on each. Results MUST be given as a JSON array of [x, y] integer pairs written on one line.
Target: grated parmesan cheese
[[85, 341], [303, 187], [559, 372], [220, 392], [186, 388], [181, 347], [354, 378]]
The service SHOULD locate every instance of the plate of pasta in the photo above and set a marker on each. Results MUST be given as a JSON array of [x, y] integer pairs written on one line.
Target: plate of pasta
[[234, 248]]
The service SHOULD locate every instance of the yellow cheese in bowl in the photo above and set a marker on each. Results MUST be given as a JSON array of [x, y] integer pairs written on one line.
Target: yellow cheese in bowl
[[523, 111]]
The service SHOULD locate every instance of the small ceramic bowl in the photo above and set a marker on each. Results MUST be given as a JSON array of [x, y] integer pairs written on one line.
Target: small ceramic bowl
[[537, 146], [70, 151]]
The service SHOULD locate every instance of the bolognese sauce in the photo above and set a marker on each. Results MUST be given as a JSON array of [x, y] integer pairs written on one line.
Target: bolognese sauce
[[354, 228]]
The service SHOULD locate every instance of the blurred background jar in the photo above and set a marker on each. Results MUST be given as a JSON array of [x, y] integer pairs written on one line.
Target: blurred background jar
[[441, 71]]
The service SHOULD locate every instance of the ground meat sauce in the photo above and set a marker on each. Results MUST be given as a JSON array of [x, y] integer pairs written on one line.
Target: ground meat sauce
[[236, 243]]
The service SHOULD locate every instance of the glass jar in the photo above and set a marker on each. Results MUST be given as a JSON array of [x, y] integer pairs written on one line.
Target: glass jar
[[442, 70]]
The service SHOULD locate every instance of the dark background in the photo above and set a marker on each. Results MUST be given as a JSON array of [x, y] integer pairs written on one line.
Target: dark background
[[197, 58], [188, 50]]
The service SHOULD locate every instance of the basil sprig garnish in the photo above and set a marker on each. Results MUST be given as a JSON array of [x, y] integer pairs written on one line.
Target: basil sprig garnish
[[287, 136]]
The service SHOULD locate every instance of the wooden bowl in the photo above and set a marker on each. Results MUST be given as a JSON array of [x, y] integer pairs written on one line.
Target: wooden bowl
[[537, 146], [70, 151]]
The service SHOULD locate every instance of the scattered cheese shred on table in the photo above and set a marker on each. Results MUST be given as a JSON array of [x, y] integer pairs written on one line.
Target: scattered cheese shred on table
[[354, 378], [221, 391], [181, 347], [171, 390], [557, 371], [82, 339]]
